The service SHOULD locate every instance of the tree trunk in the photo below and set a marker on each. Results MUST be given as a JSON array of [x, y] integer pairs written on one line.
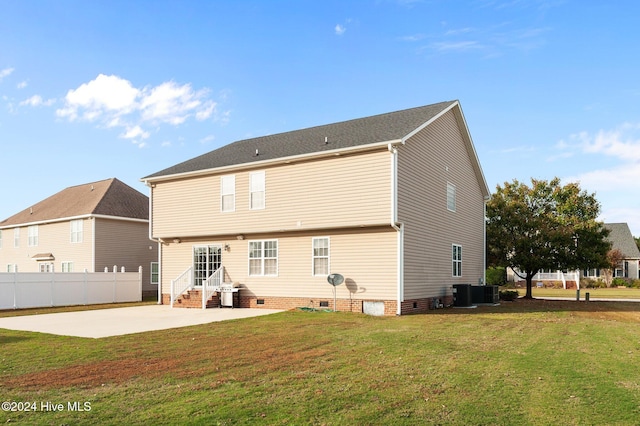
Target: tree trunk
[[529, 280]]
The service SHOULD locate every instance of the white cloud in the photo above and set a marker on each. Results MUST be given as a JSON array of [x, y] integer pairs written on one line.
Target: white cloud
[[339, 29], [99, 96], [36, 100], [112, 101], [22, 85], [135, 132], [5, 73]]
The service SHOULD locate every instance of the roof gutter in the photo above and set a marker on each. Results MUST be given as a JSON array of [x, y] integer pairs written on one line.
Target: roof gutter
[[66, 219], [398, 226]]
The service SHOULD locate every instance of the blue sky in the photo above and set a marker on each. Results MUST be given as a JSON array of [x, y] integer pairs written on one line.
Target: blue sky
[[96, 89]]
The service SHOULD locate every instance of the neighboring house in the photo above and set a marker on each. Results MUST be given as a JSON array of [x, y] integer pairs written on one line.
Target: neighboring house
[[393, 202], [620, 238], [86, 227]]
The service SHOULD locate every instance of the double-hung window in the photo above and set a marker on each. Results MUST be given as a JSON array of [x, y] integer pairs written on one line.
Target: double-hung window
[[451, 197], [320, 256], [263, 257], [228, 193], [76, 231], [67, 266], [33, 235], [457, 260], [155, 273], [16, 237], [257, 190]]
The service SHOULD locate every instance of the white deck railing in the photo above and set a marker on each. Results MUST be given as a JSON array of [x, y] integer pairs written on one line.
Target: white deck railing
[[181, 284], [211, 285]]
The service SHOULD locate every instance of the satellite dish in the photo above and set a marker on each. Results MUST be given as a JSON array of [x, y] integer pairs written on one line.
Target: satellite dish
[[335, 279]]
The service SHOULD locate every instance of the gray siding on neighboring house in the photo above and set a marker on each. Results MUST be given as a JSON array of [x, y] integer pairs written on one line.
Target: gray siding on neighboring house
[[125, 243], [430, 159]]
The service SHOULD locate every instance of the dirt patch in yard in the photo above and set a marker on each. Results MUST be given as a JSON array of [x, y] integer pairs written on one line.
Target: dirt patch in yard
[[92, 374]]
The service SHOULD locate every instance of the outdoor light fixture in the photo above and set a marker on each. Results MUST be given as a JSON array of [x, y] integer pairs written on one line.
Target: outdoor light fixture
[[176, 240]]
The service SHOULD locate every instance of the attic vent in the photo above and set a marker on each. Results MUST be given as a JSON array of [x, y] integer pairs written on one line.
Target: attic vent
[[257, 153], [92, 187], [326, 140]]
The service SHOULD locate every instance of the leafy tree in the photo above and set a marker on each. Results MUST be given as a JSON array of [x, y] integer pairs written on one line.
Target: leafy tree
[[544, 226], [614, 257], [637, 242]]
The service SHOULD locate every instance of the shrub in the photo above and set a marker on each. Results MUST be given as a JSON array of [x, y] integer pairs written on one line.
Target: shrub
[[496, 275], [508, 295], [620, 282], [635, 283], [592, 283]]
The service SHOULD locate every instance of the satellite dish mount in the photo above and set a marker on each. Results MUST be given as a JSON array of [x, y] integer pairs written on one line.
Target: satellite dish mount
[[335, 280]]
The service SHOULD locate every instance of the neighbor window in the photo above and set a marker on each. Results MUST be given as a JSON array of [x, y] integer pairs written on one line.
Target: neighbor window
[[321, 256], [46, 267], [76, 231], [33, 235], [228, 193], [67, 266], [257, 187], [263, 257], [451, 197], [155, 274], [0, 238], [16, 237], [457, 260]]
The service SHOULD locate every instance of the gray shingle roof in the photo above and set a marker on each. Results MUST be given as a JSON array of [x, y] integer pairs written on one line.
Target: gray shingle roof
[[109, 197], [623, 240], [345, 134]]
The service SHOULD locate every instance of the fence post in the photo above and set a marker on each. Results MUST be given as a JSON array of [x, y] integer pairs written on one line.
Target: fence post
[[86, 285], [15, 288], [52, 285], [115, 282], [122, 269], [140, 282]]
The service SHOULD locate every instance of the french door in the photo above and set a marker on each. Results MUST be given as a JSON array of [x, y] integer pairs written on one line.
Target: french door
[[206, 260]]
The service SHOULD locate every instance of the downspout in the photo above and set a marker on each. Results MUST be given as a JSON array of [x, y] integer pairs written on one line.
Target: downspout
[[398, 226], [159, 242], [484, 241]]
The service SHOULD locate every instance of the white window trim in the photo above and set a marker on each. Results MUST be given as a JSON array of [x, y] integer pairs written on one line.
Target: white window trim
[[314, 257], [0, 238], [151, 273], [32, 232], [16, 237], [230, 190], [456, 261], [69, 267], [79, 233], [262, 258], [451, 191], [263, 190]]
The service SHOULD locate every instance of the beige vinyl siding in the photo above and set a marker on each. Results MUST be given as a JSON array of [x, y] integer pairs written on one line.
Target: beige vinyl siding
[[333, 192], [366, 258], [54, 238], [430, 159], [125, 243]]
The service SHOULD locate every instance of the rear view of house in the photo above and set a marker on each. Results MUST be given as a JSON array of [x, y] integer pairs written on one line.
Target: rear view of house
[[393, 202], [86, 227]]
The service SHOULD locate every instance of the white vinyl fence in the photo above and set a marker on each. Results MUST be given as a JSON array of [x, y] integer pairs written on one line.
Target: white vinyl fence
[[42, 289]]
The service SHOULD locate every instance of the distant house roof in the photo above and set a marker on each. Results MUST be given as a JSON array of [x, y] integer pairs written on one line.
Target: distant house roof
[[387, 127], [109, 197], [622, 239]]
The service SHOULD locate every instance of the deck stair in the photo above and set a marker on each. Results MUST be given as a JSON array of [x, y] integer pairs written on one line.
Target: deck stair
[[193, 299]]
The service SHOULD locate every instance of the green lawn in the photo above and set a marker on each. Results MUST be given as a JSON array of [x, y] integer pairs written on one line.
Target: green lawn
[[520, 363], [604, 293]]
